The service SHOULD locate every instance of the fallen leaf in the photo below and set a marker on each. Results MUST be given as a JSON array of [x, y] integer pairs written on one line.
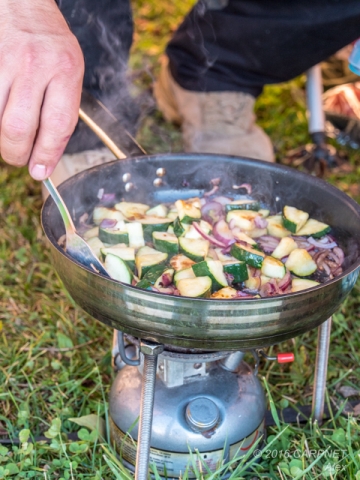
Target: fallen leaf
[[92, 422]]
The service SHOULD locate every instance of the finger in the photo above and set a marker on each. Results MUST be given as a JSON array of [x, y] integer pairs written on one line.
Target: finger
[[58, 118], [20, 120]]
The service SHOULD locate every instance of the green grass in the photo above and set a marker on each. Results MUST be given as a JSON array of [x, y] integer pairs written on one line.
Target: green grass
[[55, 359]]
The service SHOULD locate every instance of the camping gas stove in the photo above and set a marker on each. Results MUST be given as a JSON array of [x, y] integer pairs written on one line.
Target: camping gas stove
[[211, 403]]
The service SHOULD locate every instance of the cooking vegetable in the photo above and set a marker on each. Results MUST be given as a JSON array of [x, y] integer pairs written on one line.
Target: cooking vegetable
[[249, 255], [225, 294], [242, 205], [302, 284], [181, 262], [284, 248], [145, 262], [158, 211], [125, 253], [301, 263], [132, 211], [188, 212], [117, 268], [276, 228], [243, 219], [153, 224], [136, 235], [195, 249], [236, 269], [294, 219], [182, 274], [195, 287], [212, 269], [314, 229], [166, 242], [272, 267], [100, 213], [109, 235]]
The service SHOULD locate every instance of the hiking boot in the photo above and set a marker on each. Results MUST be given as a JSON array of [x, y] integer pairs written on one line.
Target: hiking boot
[[212, 122]]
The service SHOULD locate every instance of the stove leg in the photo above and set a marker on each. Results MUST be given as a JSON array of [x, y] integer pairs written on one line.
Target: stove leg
[[150, 351], [321, 365]]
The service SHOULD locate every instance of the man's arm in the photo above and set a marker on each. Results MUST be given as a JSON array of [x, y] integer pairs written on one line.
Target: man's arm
[[41, 73]]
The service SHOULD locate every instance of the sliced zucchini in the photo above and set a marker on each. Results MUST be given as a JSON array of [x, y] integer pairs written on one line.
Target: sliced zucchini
[[257, 232], [132, 211], [237, 269], [264, 279], [224, 257], [111, 236], [181, 262], [212, 269], [246, 204], [249, 255], [145, 262], [276, 228], [169, 273], [199, 287], [294, 219], [299, 284], [182, 274], [158, 211], [193, 233], [172, 214], [136, 234], [314, 228], [117, 268], [146, 251], [243, 219], [166, 242], [180, 228], [253, 283], [170, 229], [96, 245], [153, 274], [273, 268], [93, 232], [144, 284], [284, 248], [301, 263], [264, 212], [154, 224], [195, 249], [100, 213], [125, 253], [245, 238], [225, 294], [188, 212]]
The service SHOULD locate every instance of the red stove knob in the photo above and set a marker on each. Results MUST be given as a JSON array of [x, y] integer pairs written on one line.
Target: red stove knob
[[285, 357]]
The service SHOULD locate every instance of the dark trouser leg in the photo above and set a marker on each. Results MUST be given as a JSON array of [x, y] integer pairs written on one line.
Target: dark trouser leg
[[250, 43], [104, 30]]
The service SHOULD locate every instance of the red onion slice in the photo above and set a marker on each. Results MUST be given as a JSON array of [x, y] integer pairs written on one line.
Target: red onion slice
[[222, 200], [260, 222], [108, 223], [212, 191], [210, 238], [100, 193], [222, 232], [212, 212], [340, 254], [285, 281], [166, 279], [319, 244], [247, 187]]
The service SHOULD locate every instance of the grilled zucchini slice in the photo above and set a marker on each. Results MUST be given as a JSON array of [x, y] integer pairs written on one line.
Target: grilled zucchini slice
[[100, 213], [188, 212], [199, 287], [246, 204], [299, 284], [276, 228], [273, 268], [132, 211], [294, 219], [158, 211], [118, 269], [237, 269], [197, 250], [212, 269], [249, 255], [181, 262], [125, 253], [225, 293], [113, 237], [183, 274], [300, 263], [243, 219], [145, 262], [314, 228], [166, 242], [284, 248]]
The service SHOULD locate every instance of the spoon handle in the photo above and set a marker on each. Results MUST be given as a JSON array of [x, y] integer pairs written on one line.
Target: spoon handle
[[64, 212]]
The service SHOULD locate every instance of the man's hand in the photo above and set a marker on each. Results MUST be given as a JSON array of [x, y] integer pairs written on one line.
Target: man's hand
[[41, 73]]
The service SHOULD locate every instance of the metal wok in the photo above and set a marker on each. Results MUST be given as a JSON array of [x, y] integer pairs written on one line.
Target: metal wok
[[205, 324]]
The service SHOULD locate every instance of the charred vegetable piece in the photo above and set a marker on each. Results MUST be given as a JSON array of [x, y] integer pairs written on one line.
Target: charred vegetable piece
[[249, 255], [243, 219], [181, 262], [158, 211], [166, 242], [154, 273], [165, 279], [132, 211], [102, 213], [225, 294], [188, 212], [199, 287], [145, 262], [301, 263], [253, 283], [272, 267], [183, 274], [212, 269], [179, 228], [111, 236], [284, 248], [125, 253], [195, 249], [314, 228], [245, 238], [294, 219], [246, 204], [117, 268], [237, 269], [299, 284], [276, 228]]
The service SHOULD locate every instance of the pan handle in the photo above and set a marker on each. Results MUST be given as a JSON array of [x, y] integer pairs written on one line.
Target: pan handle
[[107, 128]]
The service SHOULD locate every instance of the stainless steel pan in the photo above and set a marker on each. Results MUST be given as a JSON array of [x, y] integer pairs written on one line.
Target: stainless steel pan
[[205, 324]]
